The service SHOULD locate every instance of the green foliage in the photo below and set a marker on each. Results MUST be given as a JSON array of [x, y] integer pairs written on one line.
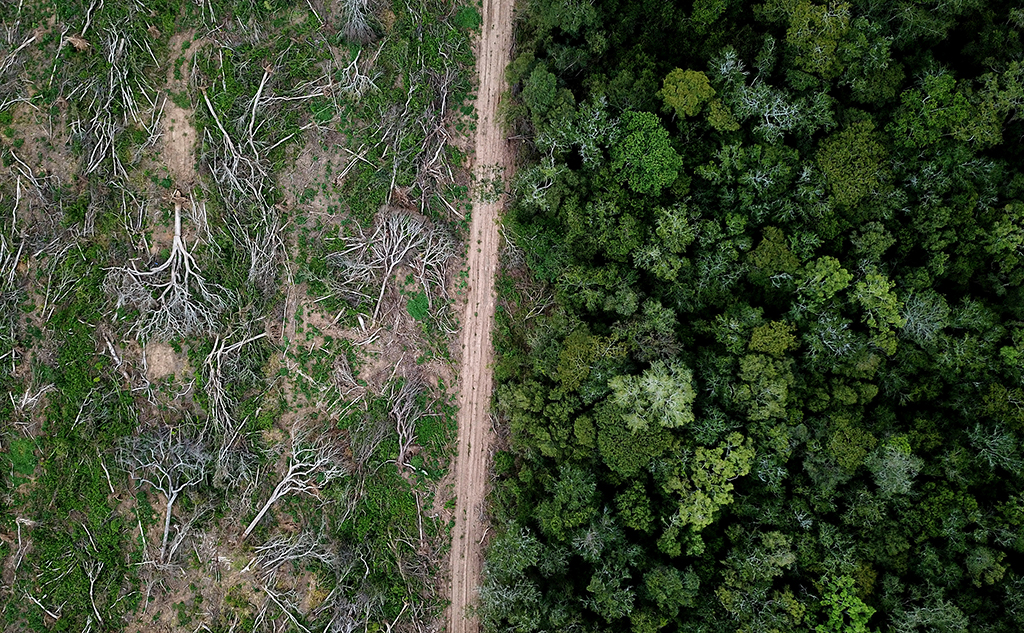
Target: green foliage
[[624, 451], [662, 394], [705, 12], [823, 278], [881, 309], [539, 90], [707, 485], [789, 343], [774, 338], [570, 504], [644, 155], [634, 507], [579, 351], [765, 388], [468, 17], [846, 612], [942, 108], [671, 588], [21, 453], [686, 91], [815, 33], [852, 161], [720, 118], [418, 306], [772, 255]]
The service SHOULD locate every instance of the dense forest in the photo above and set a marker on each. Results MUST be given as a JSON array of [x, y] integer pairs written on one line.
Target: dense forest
[[762, 331]]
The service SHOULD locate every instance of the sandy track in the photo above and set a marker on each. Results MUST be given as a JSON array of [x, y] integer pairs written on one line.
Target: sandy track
[[475, 380]]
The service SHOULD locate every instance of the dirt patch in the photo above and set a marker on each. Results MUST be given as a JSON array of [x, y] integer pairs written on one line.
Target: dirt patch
[[162, 361], [214, 583], [476, 379], [314, 179], [178, 142]]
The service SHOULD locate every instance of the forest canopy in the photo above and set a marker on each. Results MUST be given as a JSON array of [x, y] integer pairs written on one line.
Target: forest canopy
[[762, 335]]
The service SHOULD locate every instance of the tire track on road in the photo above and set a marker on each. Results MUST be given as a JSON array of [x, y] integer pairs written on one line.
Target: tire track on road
[[491, 158]]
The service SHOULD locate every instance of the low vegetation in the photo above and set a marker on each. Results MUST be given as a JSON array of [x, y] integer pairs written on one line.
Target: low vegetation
[[230, 235]]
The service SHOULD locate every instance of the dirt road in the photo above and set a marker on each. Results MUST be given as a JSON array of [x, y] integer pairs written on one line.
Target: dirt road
[[490, 152]]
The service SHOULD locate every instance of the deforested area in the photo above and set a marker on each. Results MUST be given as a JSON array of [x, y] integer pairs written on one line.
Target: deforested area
[[761, 327], [231, 239]]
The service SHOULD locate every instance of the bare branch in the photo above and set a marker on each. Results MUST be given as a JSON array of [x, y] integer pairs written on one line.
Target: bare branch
[[286, 549], [173, 298], [232, 464], [315, 461], [170, 461], [403, 397]]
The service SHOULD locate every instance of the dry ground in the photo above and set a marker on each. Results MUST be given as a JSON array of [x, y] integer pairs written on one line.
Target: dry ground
[[490, 154]]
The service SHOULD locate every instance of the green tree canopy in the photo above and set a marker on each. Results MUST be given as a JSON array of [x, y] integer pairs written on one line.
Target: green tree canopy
[[686, 91], [661, 395], [853, 161], [644, 155]]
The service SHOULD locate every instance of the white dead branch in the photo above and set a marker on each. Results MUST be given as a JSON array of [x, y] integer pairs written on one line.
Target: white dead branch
[[356, 80], [244, 181], [367, 260], [116, 99], [355, 22], [233, 461], [432, 265], [348, 615], [396, 238], [427, 121], [170, 461], [29, 399], [366, 437], [315, 461], [280, 550], [186, 528], [405, 411], [173, 298], [11, 84], [10, 292]]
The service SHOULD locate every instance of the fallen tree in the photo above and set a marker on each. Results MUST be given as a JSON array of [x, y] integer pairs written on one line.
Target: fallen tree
[[315, 460], [173, 299], [170, 461]]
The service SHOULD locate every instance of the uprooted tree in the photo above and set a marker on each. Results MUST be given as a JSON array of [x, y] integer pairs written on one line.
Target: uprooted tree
[[398, 238], [316, 459], [170, 460], [173, 299]]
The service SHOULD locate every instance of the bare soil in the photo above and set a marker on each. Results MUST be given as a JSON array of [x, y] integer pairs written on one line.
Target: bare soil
[[475, 433], [179, 135], [178, 142], [161, 361]]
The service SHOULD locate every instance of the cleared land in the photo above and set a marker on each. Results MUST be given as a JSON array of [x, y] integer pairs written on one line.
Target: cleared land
[[491, 157]]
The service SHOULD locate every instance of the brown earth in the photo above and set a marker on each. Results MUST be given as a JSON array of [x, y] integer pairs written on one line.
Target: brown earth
[[179, 138], [475, 434], [161, 361]]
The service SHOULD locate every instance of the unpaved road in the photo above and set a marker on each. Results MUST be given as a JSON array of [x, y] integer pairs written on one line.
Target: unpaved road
[[475, 380]]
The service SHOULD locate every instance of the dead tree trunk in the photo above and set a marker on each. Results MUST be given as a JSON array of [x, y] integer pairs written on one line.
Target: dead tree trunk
[[170, 461], [314, 462]]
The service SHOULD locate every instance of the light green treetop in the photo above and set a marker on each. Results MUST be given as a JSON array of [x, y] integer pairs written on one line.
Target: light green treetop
[[686, 91], [662, 395], [644, 155], [708, 484]]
